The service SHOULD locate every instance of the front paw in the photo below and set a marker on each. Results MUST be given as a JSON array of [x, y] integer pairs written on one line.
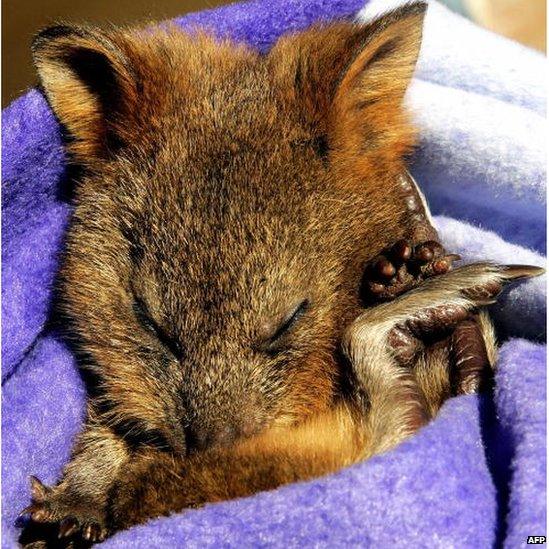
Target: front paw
[[61, 519], [403, 266]]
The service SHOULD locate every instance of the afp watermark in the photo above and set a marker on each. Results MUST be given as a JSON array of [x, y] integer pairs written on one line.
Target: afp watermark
[[536, 540]]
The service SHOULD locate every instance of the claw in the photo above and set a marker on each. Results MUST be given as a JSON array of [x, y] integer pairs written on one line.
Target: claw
[[68, 526], [38, 490], [95, 532], [517, 272], [27, 511]]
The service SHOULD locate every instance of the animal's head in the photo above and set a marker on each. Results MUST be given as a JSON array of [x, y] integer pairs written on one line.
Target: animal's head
[[229, 202]]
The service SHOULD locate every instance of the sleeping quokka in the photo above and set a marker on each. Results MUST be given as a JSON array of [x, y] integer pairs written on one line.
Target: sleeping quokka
[[250, 277]]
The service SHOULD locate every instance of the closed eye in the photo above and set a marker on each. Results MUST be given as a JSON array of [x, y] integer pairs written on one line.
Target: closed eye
[[145, 319], [289, 320]]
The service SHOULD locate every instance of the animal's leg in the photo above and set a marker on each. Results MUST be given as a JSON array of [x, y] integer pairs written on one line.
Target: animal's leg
[[407, 262], [385, 341], [76, 506]]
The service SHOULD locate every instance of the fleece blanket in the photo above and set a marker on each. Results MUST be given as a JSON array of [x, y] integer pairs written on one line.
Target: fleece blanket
[[474, 477]]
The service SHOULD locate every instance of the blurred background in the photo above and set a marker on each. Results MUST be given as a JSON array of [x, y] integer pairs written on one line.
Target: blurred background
[[522, 20]]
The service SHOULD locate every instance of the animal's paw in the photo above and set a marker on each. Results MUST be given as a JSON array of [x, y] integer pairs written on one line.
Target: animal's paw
[[59, 519], [446, 307], [403, 266]]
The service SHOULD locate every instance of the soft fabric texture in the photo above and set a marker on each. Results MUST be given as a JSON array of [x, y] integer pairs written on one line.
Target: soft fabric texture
[[474, 477]]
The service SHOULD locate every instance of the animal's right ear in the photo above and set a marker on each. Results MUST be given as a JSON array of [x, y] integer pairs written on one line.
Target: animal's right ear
[[88, 81]]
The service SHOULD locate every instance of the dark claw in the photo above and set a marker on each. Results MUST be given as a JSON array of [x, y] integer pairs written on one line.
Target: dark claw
[[522, 271], [68, 526], [88, 532], [96, 532], [40, 515], [27, 510], [38, 490]]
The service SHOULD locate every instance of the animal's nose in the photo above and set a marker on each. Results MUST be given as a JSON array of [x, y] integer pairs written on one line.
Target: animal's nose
[[201, 438]]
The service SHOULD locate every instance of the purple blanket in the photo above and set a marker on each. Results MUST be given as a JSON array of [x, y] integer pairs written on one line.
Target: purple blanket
[[475, 477]]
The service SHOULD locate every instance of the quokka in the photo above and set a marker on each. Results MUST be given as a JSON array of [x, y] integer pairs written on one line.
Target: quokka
[[250, 277]]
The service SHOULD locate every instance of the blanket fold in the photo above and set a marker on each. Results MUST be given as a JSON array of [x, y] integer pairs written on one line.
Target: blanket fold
[[474, 477]]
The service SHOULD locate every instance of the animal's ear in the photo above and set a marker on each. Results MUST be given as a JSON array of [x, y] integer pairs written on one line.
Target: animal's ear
[[349, 76], [88, 81]]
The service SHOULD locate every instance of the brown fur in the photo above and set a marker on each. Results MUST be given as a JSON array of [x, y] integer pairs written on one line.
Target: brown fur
[[222, 190]]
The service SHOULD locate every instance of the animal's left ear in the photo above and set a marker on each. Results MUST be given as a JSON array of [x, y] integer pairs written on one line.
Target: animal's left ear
[[350, 79]]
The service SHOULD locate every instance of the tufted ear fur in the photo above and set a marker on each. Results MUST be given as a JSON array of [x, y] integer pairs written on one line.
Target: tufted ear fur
[[88, 80], [347, 79], [350, 79]]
